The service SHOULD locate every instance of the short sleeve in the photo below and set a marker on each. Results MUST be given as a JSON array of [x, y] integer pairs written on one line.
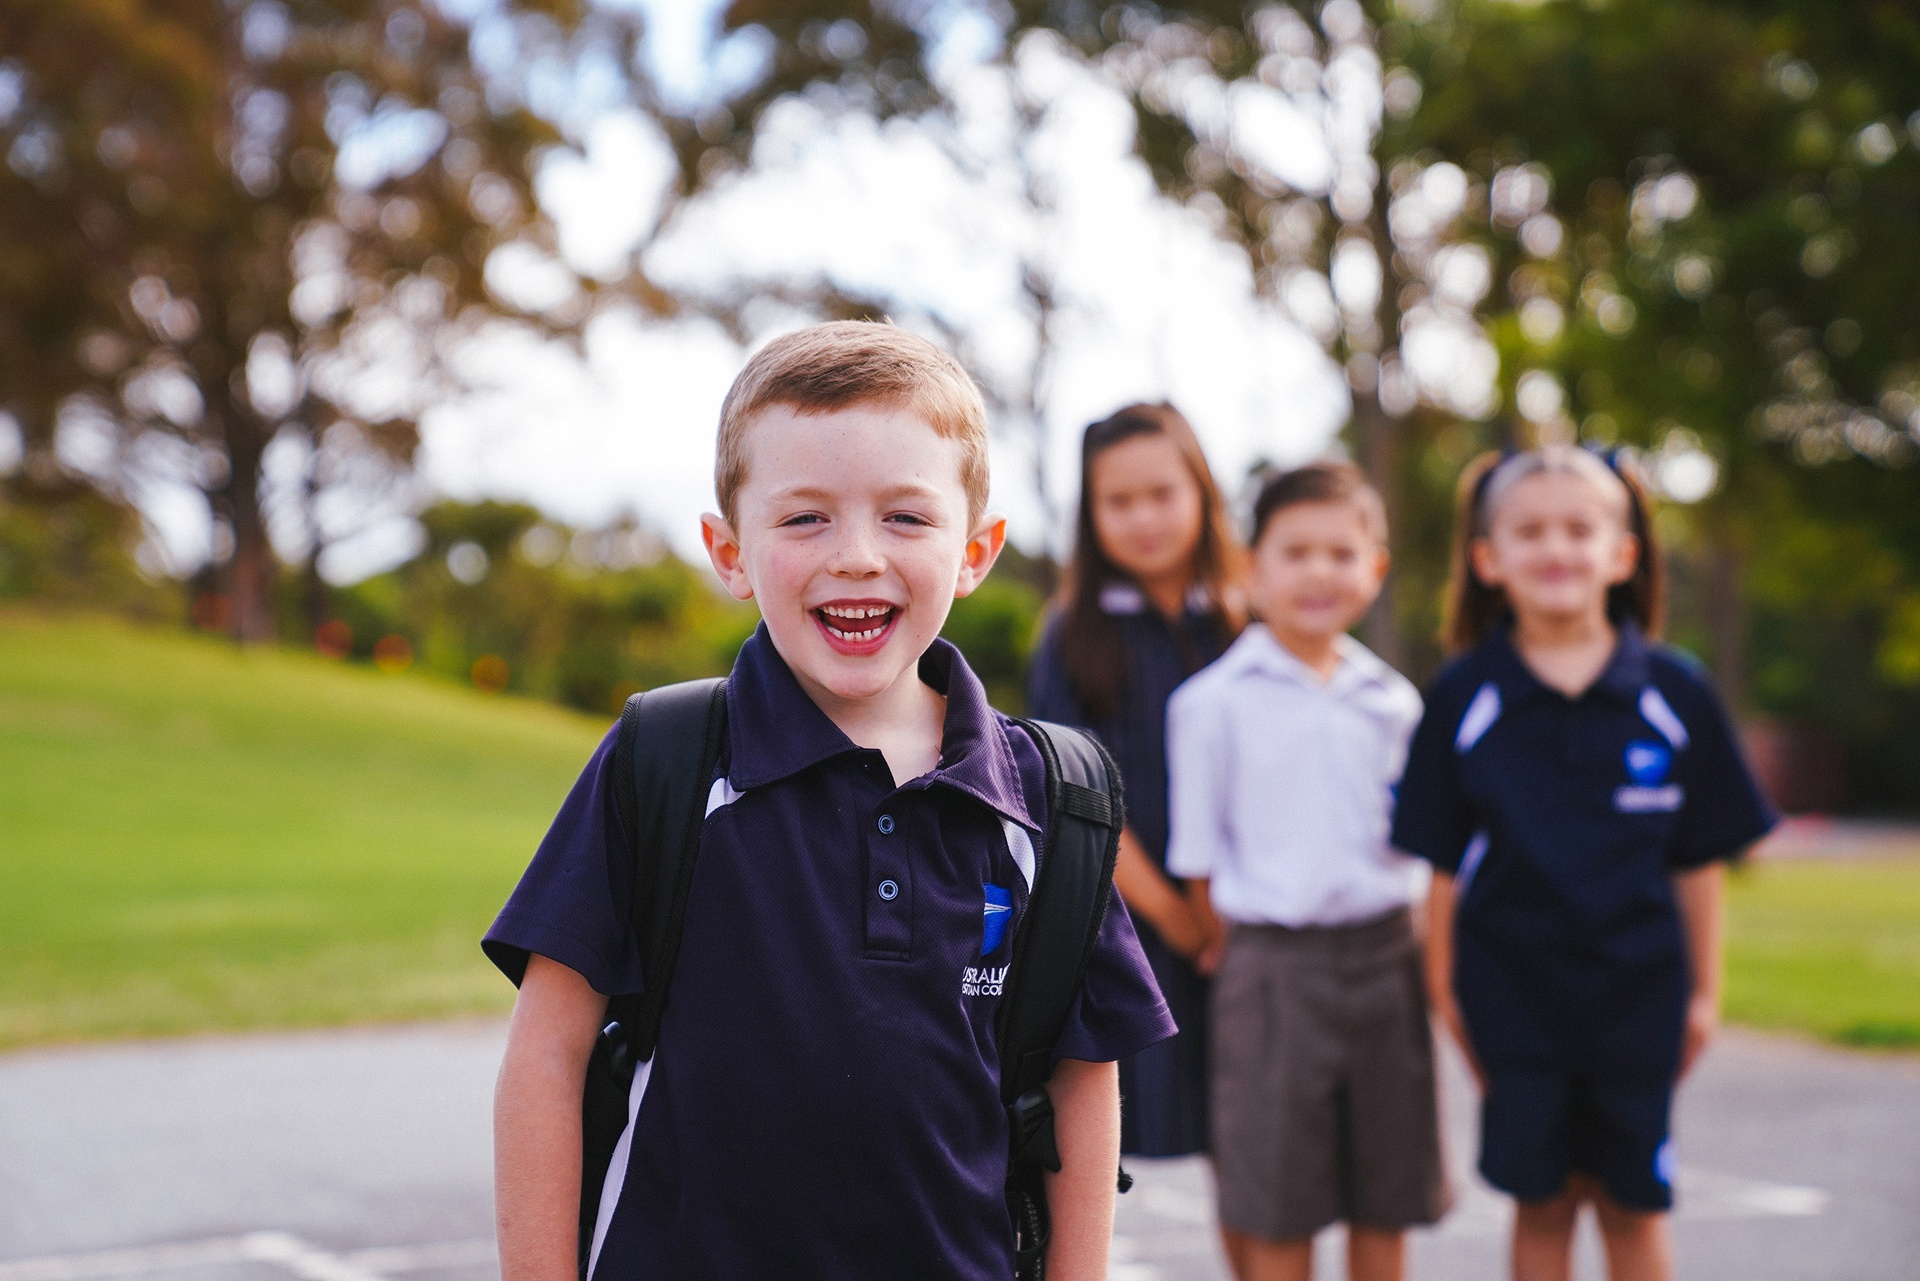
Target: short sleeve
[[1197, 775], [1119, 1011], [571, 903], [1725, 810], [1432, 817], [1050, 692]]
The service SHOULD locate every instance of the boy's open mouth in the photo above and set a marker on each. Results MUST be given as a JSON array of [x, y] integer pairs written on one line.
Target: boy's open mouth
[[856, 625]]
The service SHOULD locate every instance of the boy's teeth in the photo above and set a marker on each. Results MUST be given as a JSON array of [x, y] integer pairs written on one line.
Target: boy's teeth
[[838, 616]]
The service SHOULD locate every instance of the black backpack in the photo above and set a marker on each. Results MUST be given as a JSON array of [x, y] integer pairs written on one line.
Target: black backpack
[[660, 786]]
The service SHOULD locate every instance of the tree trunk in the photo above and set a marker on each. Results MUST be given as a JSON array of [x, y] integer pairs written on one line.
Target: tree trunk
[[1726, 620], [1377, 444], [250, 575], [1377, 449]]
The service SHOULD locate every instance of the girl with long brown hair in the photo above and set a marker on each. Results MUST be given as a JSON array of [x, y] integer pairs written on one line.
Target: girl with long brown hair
[[1151, 596]]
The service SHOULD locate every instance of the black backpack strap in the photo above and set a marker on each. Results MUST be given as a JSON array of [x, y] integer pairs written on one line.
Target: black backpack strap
[[664, 756], [669, 744], [1072, 882]]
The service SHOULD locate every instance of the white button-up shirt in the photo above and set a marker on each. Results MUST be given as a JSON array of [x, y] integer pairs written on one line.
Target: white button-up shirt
[[1282, 785]]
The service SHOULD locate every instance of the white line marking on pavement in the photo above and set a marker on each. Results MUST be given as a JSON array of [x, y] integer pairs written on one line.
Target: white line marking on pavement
[[421, 1258], [283, 1250]]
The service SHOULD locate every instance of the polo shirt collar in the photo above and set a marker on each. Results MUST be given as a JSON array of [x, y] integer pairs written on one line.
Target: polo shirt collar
[[1259, 649], [1628, 671], [1124, 599], [1625, 675], [774, 730]]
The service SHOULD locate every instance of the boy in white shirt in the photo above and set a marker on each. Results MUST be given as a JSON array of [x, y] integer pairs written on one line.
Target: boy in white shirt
[[1283, 758]]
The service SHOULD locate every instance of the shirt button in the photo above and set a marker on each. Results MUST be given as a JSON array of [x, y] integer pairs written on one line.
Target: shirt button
[[886, 828], [889, 891]]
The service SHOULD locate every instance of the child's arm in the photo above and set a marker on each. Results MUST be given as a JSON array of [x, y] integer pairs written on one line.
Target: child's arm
[[1700, 892], [536, 1123], [1200, 897], [1153, 895], [1086, 1129], [1439, 949]]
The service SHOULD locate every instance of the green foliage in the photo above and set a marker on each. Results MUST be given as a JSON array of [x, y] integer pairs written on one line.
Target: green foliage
[[182, 168], [584, 617], [996, 628], [199, 837], [73, 546]]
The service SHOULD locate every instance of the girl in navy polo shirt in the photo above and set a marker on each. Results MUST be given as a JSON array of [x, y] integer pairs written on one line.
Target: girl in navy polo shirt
[[1577, 789], [1151, 597]]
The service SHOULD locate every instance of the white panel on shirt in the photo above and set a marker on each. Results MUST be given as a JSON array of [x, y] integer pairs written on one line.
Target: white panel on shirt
[[1282, 787]]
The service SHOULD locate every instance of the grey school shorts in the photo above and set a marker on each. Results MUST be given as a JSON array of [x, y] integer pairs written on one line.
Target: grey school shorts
[[1324, 1105]]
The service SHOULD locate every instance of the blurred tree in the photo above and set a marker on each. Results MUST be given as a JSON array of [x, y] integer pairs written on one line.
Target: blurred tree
[[232, 207], [505, 599], [66, 543], [1700, 217]]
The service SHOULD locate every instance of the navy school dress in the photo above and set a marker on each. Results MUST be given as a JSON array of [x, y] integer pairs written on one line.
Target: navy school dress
[[1563, 821], [1163, 1089]]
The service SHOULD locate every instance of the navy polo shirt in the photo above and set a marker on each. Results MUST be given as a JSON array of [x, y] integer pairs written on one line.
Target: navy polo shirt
[[825, 1099], [1563, 821]]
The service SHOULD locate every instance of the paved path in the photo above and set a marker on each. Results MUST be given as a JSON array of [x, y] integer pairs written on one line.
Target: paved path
[[364, 1155]]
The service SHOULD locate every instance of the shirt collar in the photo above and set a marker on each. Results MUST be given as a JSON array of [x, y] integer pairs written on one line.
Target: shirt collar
[[774, 730], [1124, 599], [1259, 649], [1624, 676]]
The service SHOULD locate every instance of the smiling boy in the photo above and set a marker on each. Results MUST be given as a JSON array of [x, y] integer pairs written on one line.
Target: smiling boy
[[1284, 756], [825, 1098]]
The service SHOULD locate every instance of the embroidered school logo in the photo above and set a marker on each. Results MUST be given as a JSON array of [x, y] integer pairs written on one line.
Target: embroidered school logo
[[1649, 793], [996, 913], [1648, 763]]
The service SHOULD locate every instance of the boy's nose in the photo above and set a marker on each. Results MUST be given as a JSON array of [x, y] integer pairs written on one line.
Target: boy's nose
[[855, 554]]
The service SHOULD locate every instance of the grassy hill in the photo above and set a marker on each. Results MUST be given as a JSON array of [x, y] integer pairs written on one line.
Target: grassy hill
[[193, 837]]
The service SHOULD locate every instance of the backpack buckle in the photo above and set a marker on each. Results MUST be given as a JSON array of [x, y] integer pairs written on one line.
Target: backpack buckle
[[1031, 1119]]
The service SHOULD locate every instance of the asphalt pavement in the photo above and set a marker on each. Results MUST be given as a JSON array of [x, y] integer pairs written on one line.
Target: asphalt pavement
[[362, 1155]]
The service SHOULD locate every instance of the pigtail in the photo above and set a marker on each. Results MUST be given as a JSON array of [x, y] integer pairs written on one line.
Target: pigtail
[[1642, 597], [1473, 609]]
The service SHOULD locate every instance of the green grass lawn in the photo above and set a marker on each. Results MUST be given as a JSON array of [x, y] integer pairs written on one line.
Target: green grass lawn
[[1827, 946], [195, 837]]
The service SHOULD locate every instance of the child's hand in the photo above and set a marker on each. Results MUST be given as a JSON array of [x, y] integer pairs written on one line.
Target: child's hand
[[1209, 959], [1182, 929], [1448, 1012], [1703, 1020]]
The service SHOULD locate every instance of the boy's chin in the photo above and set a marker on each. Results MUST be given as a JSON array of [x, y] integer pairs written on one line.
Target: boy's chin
[[848, 677], [1315, 626]]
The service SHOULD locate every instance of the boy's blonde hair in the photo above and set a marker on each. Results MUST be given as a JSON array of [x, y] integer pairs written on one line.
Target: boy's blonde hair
[[855, 362]]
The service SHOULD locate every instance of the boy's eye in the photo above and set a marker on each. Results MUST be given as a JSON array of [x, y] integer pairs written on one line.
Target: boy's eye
[[804, 518], [909, 518]]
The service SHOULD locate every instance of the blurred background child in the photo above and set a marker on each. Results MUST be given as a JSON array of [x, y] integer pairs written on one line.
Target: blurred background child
[[1284, 755], [1150, 598], [1576, 787]]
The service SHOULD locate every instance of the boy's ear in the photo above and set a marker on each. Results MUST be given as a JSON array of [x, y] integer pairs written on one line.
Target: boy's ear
[[723, 549], [983, 548]]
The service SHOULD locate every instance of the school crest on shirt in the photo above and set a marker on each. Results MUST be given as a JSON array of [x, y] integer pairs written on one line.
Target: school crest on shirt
[[996, 913], [1648, 790]]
